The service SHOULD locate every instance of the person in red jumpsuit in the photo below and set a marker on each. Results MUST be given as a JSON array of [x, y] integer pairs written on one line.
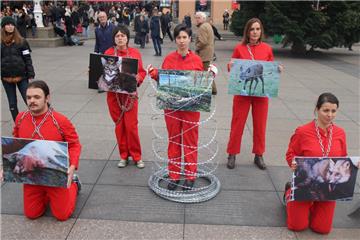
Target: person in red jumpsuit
[[42, 122], [318, 138], [123, 108], [182, 126], [251, 48]]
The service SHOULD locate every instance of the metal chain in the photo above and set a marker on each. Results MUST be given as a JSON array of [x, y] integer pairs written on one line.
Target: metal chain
[[329, 138], [126, 107], [37, 127], [250, 52]]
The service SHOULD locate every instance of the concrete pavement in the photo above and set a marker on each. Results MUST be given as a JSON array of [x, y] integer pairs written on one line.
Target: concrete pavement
[[117, 203]]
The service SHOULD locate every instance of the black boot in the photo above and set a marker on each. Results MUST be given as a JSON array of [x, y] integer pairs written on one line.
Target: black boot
[[231, 161], [173, 184], [259, 162], [188, 184]]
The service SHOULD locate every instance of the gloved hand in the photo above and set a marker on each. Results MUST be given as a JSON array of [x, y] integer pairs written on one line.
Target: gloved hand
[[212, 68], [153, 72]]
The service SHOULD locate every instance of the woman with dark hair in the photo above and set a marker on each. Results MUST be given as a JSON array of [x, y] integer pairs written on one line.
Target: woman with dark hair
[[16, 63], [123, 108], [318, 138], [182, 126], [253, 48]]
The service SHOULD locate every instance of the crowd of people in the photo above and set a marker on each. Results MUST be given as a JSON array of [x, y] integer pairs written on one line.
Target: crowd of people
[[112, 33]]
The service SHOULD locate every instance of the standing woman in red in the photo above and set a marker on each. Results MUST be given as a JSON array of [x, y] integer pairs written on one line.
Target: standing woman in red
[[182, 125], [123, 108], [252, 48], [318, 138]]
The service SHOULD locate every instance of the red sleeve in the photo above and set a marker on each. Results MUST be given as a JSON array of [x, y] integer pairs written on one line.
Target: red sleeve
[[236, 52], [141, 70], [344, 145], [294, 148], [16, 126], [72, 138], [271, 55]]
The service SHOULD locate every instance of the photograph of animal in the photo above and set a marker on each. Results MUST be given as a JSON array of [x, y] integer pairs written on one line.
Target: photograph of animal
[[254, 78], [324, 178], [39, 162], [184, 90], [113, 74], [252, 74]]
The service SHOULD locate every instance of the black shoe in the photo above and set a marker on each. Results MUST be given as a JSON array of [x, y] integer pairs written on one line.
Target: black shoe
[[173, 184], [231, 161], [188, 184], [287, 186], [259, 162], [101, 91], [77, 181]]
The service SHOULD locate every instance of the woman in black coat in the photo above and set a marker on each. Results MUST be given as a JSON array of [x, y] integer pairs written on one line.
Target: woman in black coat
[[16, 63]]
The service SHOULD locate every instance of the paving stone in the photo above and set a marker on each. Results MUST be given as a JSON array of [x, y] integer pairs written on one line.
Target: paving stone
[[126, 202], [97, 149], [238, 208], [128, 176], [19, 227], [89, 170], [244, 177], [215, 232], [109, 229], [12, 201], [336, 233], [279, 176], [341, 219]]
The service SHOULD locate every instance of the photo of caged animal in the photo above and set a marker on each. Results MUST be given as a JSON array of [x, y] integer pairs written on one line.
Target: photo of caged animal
[[324, 178], [113, 74], [254, 78]]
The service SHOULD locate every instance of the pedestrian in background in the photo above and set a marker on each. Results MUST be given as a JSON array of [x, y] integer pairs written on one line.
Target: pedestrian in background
[[156, 33], [226, 19], [16, 63], [204, 43]]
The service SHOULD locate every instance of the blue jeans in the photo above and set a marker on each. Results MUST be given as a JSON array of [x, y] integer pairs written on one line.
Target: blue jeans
[[157, 46], [10, 89]]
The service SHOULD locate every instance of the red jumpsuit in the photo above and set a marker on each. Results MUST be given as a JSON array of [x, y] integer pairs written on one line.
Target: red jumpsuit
[[305, 143], [178, 131], [126, 121], [62, 200], [241, 105]]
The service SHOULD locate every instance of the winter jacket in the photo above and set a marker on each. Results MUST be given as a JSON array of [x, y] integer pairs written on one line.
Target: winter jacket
[[155, 26], [16, 60], [103, 37], [204, 42]]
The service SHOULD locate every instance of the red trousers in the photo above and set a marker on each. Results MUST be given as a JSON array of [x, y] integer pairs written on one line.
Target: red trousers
[[320, 215], [186, 134], [62, 201], [241, 107], [126, 129]]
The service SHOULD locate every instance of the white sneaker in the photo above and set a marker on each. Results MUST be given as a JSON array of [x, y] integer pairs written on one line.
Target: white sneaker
[[140, 164], [122, 163]]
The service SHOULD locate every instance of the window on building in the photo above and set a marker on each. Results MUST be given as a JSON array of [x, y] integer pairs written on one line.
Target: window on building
[[203, 6]]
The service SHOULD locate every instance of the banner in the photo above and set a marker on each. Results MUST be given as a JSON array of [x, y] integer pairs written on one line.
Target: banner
[[322, 179], [254, 78], [184, 90], [38, 162], [113, 74]]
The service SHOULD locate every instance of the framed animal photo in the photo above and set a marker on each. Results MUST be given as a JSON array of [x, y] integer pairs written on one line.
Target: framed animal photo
[[113, 74], [184, 90], [322, 179], [38, 162], [254, 78]]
